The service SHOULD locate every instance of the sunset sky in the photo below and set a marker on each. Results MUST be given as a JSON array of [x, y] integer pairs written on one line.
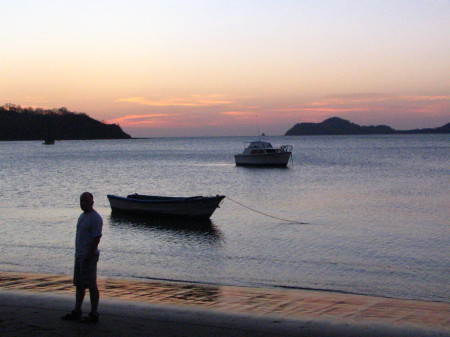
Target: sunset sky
[[219, 68]]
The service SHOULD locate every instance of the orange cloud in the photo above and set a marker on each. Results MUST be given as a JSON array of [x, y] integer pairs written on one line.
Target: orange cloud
[[192, 101], [29, 101], [35, 100]]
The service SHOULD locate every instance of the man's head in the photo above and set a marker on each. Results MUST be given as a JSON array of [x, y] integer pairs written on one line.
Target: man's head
[[86, 202]]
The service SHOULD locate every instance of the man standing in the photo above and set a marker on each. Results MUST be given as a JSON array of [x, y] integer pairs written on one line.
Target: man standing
[[89, 232]]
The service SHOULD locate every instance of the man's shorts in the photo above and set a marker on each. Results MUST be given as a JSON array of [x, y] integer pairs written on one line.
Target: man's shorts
[[85, 272]]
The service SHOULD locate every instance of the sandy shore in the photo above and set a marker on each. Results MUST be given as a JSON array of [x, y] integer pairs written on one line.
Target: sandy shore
[[31, 305]]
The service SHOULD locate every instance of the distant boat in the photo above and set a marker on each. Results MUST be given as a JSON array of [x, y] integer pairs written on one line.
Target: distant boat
[[49, 138], [49, 141], [259, 153], [198, 207]]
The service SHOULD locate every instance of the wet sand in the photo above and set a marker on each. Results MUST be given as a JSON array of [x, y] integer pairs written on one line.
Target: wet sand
[[31, 305]]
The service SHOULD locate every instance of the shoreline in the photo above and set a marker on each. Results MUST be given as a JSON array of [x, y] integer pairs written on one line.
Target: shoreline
[[399, 133], [269, 287], [291, 307]]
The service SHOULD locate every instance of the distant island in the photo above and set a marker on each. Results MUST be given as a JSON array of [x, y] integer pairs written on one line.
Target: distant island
[[17, 123], [339, 126]]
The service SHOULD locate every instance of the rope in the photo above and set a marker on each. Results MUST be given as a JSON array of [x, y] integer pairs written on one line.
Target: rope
[[270, 216]]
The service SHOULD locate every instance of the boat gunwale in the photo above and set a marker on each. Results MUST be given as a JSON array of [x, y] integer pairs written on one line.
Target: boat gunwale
[[172, 200], [263, 154]]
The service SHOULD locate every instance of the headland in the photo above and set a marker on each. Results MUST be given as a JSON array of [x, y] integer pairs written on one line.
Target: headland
[[339, 126], [17, 123]]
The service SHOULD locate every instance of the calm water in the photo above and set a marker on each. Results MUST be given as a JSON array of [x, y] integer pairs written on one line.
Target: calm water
[[376, 207]]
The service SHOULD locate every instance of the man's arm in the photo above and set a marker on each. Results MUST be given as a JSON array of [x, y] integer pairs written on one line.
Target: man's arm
[[94, 246]]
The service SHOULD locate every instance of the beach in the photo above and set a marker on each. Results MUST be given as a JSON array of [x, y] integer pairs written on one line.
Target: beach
[[31, 305]]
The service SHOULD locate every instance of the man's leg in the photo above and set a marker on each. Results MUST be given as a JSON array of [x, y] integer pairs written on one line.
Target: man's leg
[[79, 297], [77, 281], [95, 297], [75, 315], [90, 274]]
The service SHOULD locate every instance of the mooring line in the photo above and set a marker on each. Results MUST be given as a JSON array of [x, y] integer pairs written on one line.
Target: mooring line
[[268, 215]]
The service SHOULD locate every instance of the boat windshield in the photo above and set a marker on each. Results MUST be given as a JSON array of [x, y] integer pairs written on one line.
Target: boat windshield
[[259, 145]]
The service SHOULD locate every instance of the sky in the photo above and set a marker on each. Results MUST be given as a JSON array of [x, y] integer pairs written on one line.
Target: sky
[[230, 67]]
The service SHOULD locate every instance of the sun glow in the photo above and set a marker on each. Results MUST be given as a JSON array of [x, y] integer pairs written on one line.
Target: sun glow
[[207, 70]]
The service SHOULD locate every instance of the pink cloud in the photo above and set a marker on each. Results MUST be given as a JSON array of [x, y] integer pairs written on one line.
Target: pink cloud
[[134, 120], [399, 111], [238, 113], [215, 114], [374, 103], [324, 110]]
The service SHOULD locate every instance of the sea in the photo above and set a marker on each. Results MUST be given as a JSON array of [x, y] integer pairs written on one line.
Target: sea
[[353, 214]]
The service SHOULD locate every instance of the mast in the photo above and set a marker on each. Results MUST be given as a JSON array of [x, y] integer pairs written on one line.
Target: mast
[[259, 132]]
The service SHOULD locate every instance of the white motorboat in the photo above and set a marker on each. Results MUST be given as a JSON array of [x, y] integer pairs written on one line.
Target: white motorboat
[[259, 153]]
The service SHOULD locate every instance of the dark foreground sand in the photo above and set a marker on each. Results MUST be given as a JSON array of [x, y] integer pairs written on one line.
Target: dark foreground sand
[[31, 305]]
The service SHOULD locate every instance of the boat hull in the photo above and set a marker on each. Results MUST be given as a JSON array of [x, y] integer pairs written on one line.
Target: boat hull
[[153, 206], [266, 159]]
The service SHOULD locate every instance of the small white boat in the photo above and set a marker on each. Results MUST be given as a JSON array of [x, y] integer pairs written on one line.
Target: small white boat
[[198, 207], [259, 153]]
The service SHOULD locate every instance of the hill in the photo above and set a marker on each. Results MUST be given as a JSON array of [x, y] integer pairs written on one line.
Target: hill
[[339, 126], [17, 123]]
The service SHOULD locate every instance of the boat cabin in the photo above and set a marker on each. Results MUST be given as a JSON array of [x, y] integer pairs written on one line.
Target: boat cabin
[[259, 147]]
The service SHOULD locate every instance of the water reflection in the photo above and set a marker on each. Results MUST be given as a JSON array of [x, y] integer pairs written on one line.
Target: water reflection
[[198, 228]]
